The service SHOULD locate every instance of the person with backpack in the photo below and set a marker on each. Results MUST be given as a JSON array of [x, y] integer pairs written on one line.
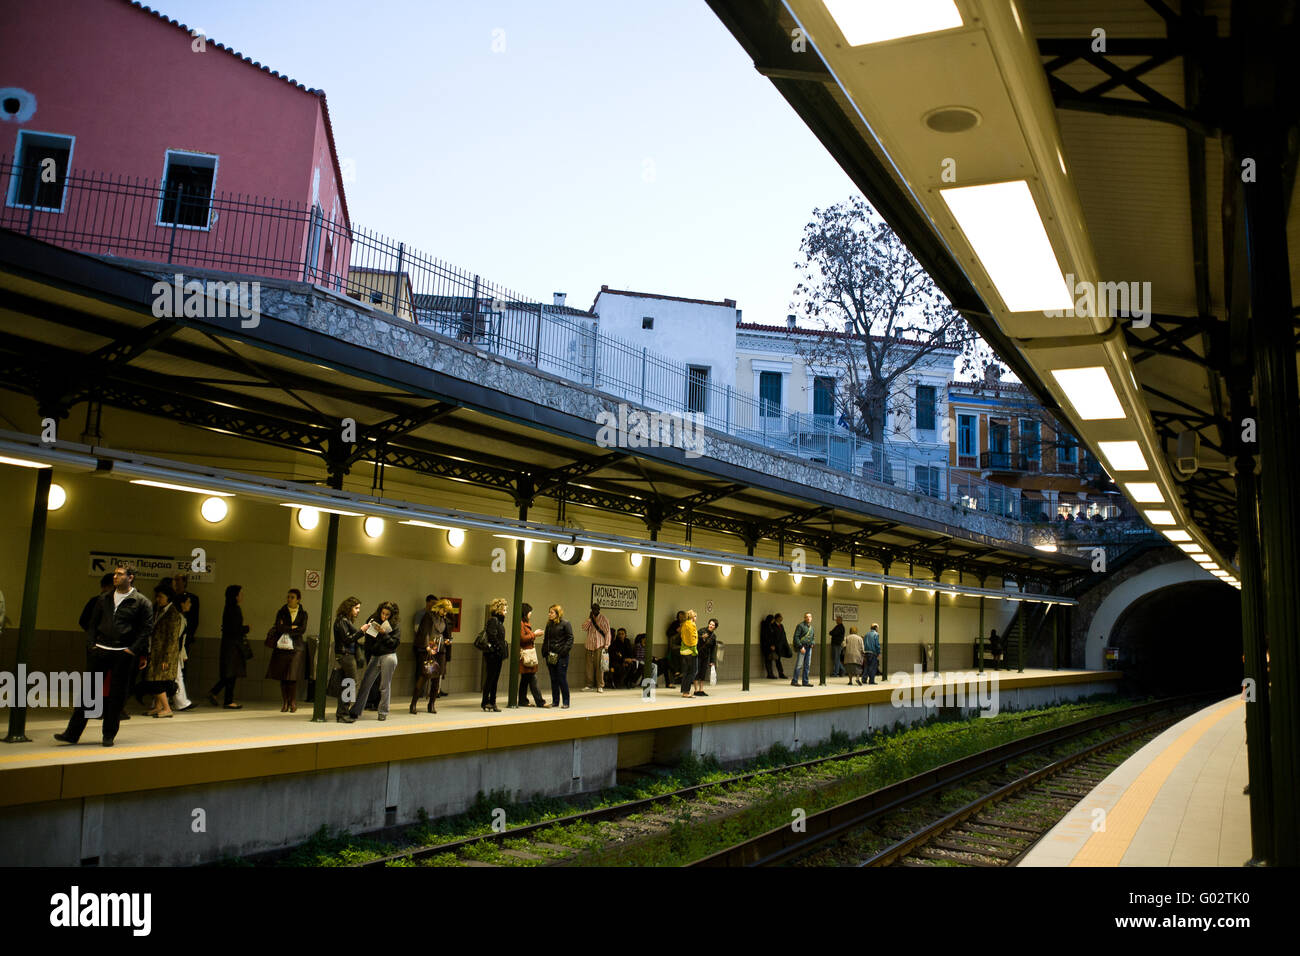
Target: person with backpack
[[383, 635], [495, 650], [803, 645], [556, 645]]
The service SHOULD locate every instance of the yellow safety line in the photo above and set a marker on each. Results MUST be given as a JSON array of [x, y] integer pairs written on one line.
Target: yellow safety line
[[1107, 847]]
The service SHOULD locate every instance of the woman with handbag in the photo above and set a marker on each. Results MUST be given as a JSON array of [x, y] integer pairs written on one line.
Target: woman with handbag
[[431, 646], [528, 662], [346, 638], [496, 651], [287, 640], [383, 634], [234, 648], [556, 645]]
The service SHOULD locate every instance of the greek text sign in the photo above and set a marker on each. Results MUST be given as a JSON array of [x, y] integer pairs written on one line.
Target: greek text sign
[[613, 597]]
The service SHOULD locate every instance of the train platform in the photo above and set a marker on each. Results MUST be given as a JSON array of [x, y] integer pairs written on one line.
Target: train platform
[[1178, 801], [274, 779]]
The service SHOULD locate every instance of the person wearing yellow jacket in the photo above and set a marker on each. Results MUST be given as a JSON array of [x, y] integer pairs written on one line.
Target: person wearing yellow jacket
[[690, 654]]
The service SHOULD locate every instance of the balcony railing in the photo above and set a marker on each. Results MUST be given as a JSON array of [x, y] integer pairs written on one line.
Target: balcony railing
[[138, 219]]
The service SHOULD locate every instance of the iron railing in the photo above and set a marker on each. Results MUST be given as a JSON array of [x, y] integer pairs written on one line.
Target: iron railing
[[160, 222]]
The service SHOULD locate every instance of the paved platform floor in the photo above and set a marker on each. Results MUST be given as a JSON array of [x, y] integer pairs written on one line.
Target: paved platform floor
[[1176, 802], [210, 728]]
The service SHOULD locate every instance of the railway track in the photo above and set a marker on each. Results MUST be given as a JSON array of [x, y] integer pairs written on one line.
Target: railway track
[[783, 845], [991, 830], [465, 848]]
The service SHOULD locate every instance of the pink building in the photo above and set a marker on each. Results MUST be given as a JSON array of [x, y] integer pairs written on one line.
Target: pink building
[[123, 133]]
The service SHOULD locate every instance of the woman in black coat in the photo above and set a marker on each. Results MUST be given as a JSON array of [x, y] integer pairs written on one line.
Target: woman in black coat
[[706, 649], [497, 651], [558, 641], [287, 664], [233, 632]]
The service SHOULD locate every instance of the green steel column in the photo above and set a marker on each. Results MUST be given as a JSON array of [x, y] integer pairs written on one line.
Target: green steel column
[[979, 640], [1056, 638], [935, 660], [325, 642], [749, 612], [31, 592], [650, 610], [884, 628], [1020, 638], [1278, 399], [823, 622], [1258, 758], [516, 618]]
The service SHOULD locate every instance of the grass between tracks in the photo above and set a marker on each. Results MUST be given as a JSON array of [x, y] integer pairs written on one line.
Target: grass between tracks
[[773, 798]]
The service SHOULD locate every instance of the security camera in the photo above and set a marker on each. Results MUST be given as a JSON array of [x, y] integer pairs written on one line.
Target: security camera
[[1188, 458]]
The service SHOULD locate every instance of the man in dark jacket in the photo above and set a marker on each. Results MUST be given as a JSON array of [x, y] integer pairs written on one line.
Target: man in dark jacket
[[118, 643], [837, 647]]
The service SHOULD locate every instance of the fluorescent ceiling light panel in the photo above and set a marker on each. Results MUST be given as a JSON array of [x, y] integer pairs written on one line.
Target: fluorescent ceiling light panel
[[1123, 455], [875, 21], [1177, 535], [1192, 548], [1090, 392], [330, 511], [1145, 492], [22, 462], [1160, 517], [189, 488], [1002, 225], [1202, 558]]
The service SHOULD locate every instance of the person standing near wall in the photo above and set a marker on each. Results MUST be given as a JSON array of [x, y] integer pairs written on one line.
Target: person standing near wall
[[871, 652], [556, 645], [782, 644], [383, 635], [286, 663], [708, 649], [837, 647], [690, 653], [596, 626], [497, 651], [854, 655], [803, 645], [528, 660], [118, 644], [159, 678], [418, 647], [188, 603], [233, 632], [346, 643], [430, 641]]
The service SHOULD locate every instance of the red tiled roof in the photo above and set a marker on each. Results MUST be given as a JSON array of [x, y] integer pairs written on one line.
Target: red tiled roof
[[606, 290], [319, 94]]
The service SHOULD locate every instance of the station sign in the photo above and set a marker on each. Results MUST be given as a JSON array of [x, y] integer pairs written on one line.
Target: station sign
[[149, 568], [847, 611], [614, 597]]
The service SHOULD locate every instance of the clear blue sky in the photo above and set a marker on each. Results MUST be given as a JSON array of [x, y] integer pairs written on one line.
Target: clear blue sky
[[529, 165]]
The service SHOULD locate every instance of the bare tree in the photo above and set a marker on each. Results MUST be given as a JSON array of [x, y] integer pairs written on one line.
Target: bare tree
[[878, 311]]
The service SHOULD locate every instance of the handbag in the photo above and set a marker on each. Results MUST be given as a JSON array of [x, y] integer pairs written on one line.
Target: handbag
[[604, 661], [284, 643], [528, 657], [430, 668], [713, 674], [335, 685], [481, 641], [552, 659], [246, 649]]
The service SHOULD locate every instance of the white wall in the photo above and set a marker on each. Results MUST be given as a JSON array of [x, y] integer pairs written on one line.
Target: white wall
[[691, 333]]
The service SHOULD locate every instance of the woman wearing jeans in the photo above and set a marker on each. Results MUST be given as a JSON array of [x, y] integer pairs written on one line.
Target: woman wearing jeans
[[558, 642], [528, 661], [382, 638]]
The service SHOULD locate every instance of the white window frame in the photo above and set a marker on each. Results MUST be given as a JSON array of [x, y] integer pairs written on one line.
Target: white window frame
[[12, 194], [757, 366], [162, 188]]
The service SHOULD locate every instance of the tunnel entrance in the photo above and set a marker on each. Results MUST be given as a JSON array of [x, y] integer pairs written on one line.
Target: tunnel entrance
[[1182, 639]]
